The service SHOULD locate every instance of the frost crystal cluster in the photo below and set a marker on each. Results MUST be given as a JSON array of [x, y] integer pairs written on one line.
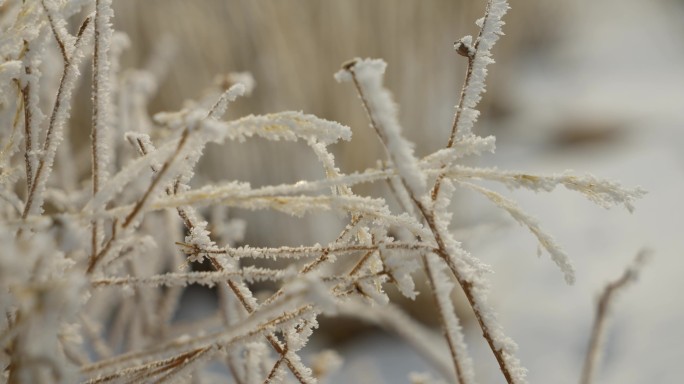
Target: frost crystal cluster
[[92, 263]]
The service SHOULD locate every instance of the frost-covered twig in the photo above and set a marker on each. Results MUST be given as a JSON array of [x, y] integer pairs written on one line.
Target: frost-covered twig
[[475, 290], [249, 274], [59, 116], [304, 251], [383, 115], [275, 317], [545, 240], [603, 306], [33, 116], [479, 57], [441, 287], [200, 238], [101, 94], [137, 207], [605, 193], [462, 265]]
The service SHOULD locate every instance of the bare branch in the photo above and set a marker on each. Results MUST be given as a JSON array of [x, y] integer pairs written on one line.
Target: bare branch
[[603, 306]]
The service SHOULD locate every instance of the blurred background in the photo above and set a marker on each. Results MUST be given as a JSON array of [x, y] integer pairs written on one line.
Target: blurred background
[[591, 85]]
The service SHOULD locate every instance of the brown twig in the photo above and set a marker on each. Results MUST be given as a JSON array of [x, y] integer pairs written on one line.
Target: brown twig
[[470, 55], [442, 319], [150, 369], [326, 253], [443, 252], [4, 153], [95, 134], [68, 66], [58, 38], [466, 82], [277, 345], [469, 291], [28, 124], [324, 256], [169, 376], [279, 320], [96, 258], [274, 370], [602, 308], [313, 250]]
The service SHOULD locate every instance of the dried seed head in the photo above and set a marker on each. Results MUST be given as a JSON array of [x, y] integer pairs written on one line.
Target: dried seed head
[[464, 47], [347, 66]]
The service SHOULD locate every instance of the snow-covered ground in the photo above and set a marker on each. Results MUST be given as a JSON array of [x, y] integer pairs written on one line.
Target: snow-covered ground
[[625, 64], [619, 67]]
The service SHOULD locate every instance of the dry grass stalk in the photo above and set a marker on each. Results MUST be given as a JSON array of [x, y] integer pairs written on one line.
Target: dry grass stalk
[[93, 295]]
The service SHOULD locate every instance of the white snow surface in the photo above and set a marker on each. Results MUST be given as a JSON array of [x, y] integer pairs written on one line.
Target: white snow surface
[[621, 60], [599, 73]]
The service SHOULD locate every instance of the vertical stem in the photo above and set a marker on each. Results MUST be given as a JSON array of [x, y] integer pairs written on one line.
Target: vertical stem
[[591, 359], [468, 77], [469, 291], [461, 100], [440, 311], [235, 286], [137, 208], [28, 126], [94, 137], [459, 107], [274, 370], [100, 92], [442, 251], [50, 143]]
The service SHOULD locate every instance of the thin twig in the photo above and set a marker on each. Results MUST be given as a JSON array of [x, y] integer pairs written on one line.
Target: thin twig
[[49, 134], [325, 255], [469, 291], [58, 38], [233, 285], [602, 310], [442, 319], [274, 370], [281, 319], [303, 251], [471, 55], [5, 152], [96, 258], [150, 369], [443, 252], [184, 365], [28, 125], [466, 82], [99, 63]]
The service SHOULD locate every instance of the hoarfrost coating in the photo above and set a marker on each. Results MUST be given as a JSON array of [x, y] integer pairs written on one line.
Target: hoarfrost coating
[[367, 75], [97, 255]]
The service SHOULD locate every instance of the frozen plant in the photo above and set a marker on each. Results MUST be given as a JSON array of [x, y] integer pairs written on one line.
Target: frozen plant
[[92, 273]]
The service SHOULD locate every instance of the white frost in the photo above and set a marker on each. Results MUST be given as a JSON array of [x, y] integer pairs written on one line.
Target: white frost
[[367, 75], [481, 57]]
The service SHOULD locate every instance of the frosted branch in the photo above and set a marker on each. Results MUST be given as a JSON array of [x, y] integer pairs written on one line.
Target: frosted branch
[[602, 192], [545, 240], [603, 306], [367, 76], [479, 57]]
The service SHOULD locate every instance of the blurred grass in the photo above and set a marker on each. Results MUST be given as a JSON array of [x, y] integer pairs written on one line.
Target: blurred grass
[[293, 48]]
